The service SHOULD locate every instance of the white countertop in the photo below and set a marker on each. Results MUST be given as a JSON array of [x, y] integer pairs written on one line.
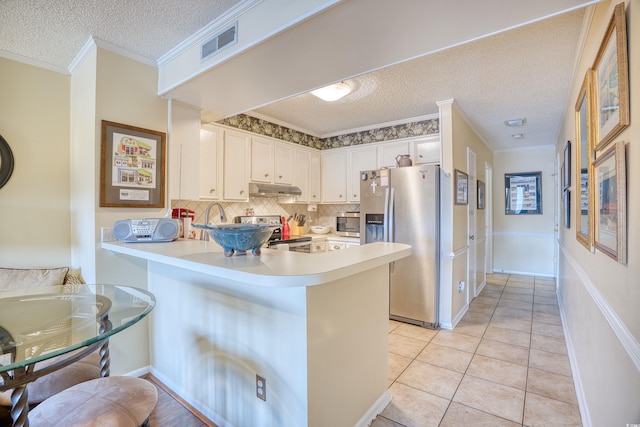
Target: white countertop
[[273, 268]]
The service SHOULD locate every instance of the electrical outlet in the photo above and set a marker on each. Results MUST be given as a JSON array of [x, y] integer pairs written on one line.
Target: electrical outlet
[[460, 286], [261, 388]]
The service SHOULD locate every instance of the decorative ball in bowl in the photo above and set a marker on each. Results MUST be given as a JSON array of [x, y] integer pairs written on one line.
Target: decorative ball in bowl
[[238, 238], [320, 229]]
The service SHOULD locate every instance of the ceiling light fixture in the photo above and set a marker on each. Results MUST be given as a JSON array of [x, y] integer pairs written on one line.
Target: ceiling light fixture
[[517, 136], [332, 92], [515, 122]]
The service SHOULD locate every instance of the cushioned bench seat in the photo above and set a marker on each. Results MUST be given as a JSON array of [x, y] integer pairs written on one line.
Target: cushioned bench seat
[[106, 402]]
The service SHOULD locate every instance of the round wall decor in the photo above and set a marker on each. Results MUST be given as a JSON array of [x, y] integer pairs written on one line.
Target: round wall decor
[[6, 162]]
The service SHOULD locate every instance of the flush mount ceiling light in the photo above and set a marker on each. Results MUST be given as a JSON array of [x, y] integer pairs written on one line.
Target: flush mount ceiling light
[[515, 122], [517, 136], [332, 92]]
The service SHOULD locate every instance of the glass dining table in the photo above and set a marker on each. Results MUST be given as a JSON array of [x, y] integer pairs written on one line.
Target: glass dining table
[[66, 322]]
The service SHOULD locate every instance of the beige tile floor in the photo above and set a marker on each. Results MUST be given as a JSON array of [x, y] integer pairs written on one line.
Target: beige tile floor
[[504, 364]]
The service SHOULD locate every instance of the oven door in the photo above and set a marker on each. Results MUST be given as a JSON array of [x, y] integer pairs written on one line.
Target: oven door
[[283, 245]]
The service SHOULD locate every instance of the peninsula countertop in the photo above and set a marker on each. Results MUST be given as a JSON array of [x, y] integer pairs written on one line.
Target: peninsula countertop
[[272, 268]]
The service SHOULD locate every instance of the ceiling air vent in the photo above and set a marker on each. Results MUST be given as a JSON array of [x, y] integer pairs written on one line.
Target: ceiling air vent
[[225, 38]]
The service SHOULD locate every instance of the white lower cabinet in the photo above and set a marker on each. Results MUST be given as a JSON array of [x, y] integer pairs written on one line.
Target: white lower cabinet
[[335, 245]]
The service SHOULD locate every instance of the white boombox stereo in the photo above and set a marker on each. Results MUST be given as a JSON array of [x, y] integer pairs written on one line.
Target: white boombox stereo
[[147, 230]]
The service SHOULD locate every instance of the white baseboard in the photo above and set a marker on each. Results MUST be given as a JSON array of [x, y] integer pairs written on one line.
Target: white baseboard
[[524, 273], [375, 409]]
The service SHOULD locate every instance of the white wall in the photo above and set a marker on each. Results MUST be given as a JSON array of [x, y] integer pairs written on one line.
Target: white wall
[[599, 297], [523, 244], [34, 204]]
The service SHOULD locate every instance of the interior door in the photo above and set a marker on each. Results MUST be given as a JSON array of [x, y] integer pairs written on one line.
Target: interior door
[[471, 225]]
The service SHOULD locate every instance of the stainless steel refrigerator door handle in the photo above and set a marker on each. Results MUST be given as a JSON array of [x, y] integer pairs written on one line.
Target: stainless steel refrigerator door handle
[[385, 224], [391, 215]]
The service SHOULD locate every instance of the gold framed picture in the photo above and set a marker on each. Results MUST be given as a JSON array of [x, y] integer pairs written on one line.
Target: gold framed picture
[[611, 81], [610, 192]]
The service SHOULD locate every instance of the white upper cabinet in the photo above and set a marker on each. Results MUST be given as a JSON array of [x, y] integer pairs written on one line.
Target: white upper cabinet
[[236, 165], [388, 152], [334, 176], [261, 160], [315, 173], [282, 163], [360, 159], [271, 161], [211, 163], [301, 173], [426, 150]]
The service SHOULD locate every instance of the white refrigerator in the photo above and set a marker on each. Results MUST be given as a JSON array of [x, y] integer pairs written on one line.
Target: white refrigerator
[[403, 205]]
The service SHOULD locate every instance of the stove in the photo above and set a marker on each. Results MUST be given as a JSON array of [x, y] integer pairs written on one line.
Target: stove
[[292, 241]]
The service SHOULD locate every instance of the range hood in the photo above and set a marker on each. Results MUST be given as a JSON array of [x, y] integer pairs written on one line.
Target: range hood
[[273, 190]]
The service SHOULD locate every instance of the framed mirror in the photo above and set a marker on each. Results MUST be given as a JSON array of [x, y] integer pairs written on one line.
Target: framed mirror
[[584, 156], [6, 162]]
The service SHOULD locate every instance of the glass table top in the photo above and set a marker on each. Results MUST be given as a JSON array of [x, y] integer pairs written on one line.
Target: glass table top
[[39, 323]]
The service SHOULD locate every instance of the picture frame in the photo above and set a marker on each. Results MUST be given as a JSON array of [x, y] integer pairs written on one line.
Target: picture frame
[[481, 194], [461, 186], [611, 81], [566, 165], [523, 193], [584, 122], [566, 204], [132, 166], [610, 225]]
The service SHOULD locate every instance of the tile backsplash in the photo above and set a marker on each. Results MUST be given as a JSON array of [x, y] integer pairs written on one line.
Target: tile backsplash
[[325, 215]]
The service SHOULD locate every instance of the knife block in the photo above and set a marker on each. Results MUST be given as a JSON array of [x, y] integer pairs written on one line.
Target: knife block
[[296, 229]]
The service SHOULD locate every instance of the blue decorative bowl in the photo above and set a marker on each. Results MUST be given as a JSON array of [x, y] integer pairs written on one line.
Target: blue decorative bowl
[[239, 238]]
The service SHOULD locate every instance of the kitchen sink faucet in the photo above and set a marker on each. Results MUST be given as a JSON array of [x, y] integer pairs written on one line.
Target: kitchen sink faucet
[[204, 235]]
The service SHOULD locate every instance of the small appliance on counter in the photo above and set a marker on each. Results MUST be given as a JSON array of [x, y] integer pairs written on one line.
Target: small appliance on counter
[[147, 230], [348, 224], [186, 217]]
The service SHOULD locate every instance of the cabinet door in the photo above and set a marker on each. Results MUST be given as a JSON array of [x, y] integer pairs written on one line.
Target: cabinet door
[[261, 160], [283, 163], [315, 173], [388, 152], [236, 164], [210, 163], [359, 160], [427, 150], [334, 177], [301, 173]]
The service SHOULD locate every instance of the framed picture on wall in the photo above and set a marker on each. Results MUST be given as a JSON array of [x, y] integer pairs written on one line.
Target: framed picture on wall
[[132, 172], [481, 194], [566, 164], [462, 187], [566, 205], [610, 232], [523, 193], [611, 81]]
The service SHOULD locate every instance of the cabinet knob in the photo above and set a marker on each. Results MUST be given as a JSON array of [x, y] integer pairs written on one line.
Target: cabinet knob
[[213, 190], [314, 196], [355, 195], [279, 176], [241, 191], [340, 196], [266, 175]]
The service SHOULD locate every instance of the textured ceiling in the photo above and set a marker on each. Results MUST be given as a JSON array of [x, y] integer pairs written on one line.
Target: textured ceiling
[[525, 72], [52, 32]]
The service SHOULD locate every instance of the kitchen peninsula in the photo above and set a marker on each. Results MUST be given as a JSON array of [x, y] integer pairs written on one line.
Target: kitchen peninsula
[[314, 326]]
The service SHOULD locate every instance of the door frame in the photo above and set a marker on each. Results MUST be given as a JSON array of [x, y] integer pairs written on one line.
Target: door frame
[[472, 225]]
